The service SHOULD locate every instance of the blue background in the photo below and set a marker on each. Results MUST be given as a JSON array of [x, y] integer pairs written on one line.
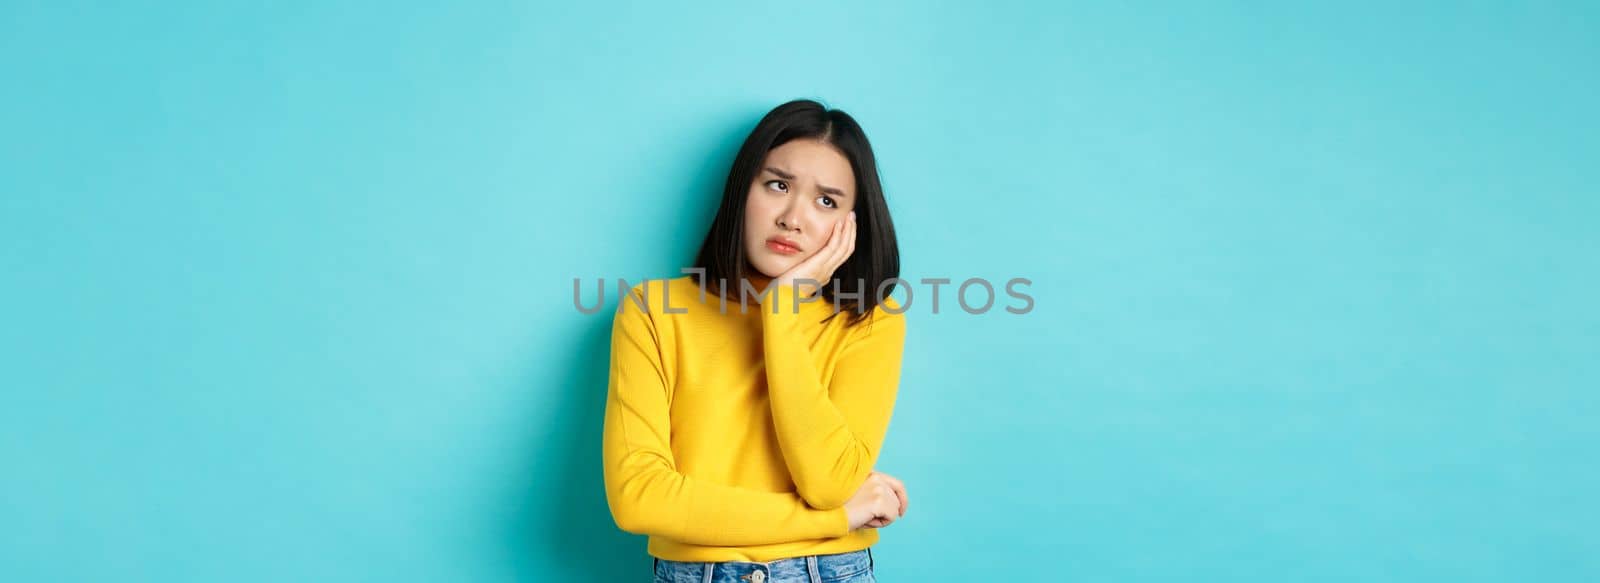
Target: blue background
[[287, 288]]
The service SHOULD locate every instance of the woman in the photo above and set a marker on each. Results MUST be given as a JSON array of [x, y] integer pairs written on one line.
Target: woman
[[742, 427]]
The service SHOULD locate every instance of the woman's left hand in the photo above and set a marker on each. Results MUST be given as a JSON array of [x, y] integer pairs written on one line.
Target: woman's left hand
[[819, 267], [900, 491]]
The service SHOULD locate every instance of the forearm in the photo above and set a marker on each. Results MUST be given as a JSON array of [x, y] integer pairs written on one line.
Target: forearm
[[647, 498]]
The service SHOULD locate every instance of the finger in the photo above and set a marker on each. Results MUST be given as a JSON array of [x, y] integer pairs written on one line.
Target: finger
[[829, 256], [849, 241], [824, 258], [822, 255], [892, 481], [815, 267], [854, 225], [846, 245], [899, 490], [886, 503], [849, 238]]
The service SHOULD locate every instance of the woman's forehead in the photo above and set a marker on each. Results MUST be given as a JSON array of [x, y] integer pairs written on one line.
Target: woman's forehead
[[812, 161]]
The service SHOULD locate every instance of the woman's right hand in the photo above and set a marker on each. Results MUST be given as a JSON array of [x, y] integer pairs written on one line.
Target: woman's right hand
[[879, 501]]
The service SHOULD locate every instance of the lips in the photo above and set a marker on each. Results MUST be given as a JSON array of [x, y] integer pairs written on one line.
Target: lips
[[783, 245]]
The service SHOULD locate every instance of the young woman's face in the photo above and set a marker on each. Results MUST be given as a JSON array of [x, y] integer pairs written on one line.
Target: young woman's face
[[799, 192]]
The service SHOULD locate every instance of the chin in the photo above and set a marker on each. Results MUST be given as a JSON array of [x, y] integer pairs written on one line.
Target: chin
[[768, 265]]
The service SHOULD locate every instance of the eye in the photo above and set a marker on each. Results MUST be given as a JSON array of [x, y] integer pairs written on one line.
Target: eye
[[785, 185], [828, 202]]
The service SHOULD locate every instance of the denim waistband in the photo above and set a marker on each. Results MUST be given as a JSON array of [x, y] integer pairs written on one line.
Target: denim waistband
[[807, 569]]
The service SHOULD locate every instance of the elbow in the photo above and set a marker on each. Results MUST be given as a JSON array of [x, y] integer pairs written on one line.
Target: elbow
[[824, 496], [630, 521], [640, 498], [631, 514], [831, 486], [631, 518]]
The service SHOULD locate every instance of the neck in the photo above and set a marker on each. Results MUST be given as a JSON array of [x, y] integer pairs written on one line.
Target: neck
[[757, 280]]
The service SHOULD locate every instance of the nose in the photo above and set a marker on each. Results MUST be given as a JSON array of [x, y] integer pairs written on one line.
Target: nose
[[789, 219]]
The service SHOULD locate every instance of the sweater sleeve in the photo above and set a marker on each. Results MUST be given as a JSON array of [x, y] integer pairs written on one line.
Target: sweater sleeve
[[830, 435], [644, 489]]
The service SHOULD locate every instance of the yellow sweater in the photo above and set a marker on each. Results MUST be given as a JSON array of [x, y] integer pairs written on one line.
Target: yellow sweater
[[739, 436]]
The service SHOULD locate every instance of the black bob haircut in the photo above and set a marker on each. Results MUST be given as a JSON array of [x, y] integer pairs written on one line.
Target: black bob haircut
[[876, 258]]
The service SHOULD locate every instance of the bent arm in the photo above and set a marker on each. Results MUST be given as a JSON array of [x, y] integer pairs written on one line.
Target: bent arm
[[830, 435]]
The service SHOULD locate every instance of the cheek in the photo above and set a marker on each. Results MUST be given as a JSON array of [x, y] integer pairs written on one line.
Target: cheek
[[754, 209], [756, 205], [757, 215], [753, 233]]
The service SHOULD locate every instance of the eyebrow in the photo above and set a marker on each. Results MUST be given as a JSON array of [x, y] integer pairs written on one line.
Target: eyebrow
[[825, 189]]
